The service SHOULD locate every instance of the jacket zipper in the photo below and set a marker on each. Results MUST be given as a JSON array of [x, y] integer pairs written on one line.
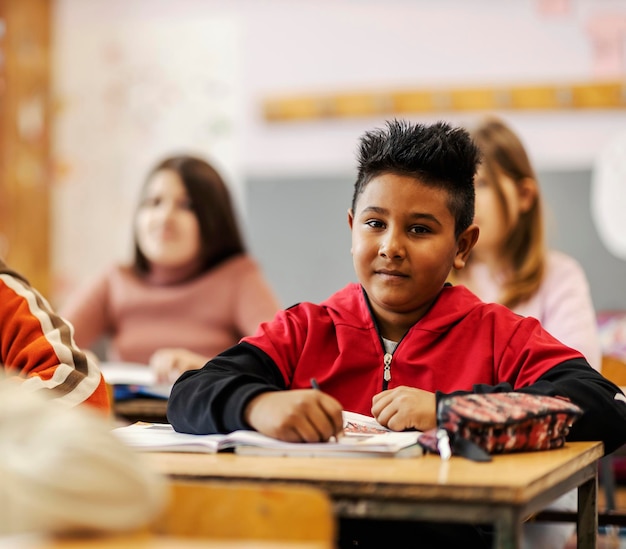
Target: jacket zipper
[[387, 357], [387, 371]]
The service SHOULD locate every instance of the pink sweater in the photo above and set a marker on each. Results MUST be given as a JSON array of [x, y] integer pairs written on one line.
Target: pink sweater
[[205, 315], [563, 303]]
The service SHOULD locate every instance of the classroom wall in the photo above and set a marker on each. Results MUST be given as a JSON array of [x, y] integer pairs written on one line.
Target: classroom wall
[[571, 229], [136, 79], [312, 259]]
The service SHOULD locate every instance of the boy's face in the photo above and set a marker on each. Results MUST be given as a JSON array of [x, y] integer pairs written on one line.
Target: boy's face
[[403, 248]]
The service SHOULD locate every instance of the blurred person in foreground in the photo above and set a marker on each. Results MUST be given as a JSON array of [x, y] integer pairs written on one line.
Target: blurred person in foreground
[[63, 471], [61, 468]]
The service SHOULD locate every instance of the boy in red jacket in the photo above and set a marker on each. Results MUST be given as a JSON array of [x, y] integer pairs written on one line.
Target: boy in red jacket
[[394, 343]]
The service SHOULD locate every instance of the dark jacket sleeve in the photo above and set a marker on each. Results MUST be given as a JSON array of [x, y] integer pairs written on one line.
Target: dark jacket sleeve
[[602, 402], [212, 399]]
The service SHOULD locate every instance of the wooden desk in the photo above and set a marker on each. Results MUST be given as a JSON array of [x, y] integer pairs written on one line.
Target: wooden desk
[[504, 492]]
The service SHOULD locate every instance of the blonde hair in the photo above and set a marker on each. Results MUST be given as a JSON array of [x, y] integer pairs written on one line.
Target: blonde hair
[[524, 248]]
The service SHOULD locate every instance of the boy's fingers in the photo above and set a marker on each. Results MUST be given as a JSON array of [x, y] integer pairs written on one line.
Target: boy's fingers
[[333, 412]]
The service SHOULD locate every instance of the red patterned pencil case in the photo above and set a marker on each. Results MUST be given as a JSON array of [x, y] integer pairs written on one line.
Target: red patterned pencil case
[[476, 425]]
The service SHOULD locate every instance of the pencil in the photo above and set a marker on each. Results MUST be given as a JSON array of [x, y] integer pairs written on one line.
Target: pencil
[[315, 385]]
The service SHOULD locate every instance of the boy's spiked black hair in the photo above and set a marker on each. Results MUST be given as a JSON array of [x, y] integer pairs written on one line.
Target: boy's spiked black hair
[[438, 155]]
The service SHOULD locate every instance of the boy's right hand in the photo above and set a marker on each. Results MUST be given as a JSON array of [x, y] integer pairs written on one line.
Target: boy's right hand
[[302, 415]]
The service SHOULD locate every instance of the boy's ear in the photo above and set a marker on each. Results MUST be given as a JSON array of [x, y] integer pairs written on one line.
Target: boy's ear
[[350, 217], [350, 222], [527, 191], [466, 241]]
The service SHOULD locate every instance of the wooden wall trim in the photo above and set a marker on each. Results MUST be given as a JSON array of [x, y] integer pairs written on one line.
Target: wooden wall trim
[[537, 97]]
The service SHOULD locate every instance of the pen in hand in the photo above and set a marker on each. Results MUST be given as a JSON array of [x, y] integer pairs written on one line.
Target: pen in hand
[[315, 385]]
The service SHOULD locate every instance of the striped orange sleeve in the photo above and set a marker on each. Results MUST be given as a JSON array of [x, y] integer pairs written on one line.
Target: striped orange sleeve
[[37, 345]]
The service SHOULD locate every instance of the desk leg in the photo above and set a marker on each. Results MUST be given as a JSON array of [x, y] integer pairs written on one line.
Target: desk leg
[[508, 531], [587, 523]]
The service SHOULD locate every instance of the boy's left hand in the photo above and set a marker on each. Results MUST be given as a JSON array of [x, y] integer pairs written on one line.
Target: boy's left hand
[[404, 408]]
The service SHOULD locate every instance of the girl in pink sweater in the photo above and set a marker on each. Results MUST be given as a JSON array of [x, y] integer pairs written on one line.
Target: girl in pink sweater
[[191, 292]]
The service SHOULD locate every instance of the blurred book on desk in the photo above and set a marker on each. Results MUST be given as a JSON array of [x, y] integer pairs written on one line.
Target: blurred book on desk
[[131, 380]]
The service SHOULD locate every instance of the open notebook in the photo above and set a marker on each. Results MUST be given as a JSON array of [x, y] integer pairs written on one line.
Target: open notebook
[[363, 437]]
